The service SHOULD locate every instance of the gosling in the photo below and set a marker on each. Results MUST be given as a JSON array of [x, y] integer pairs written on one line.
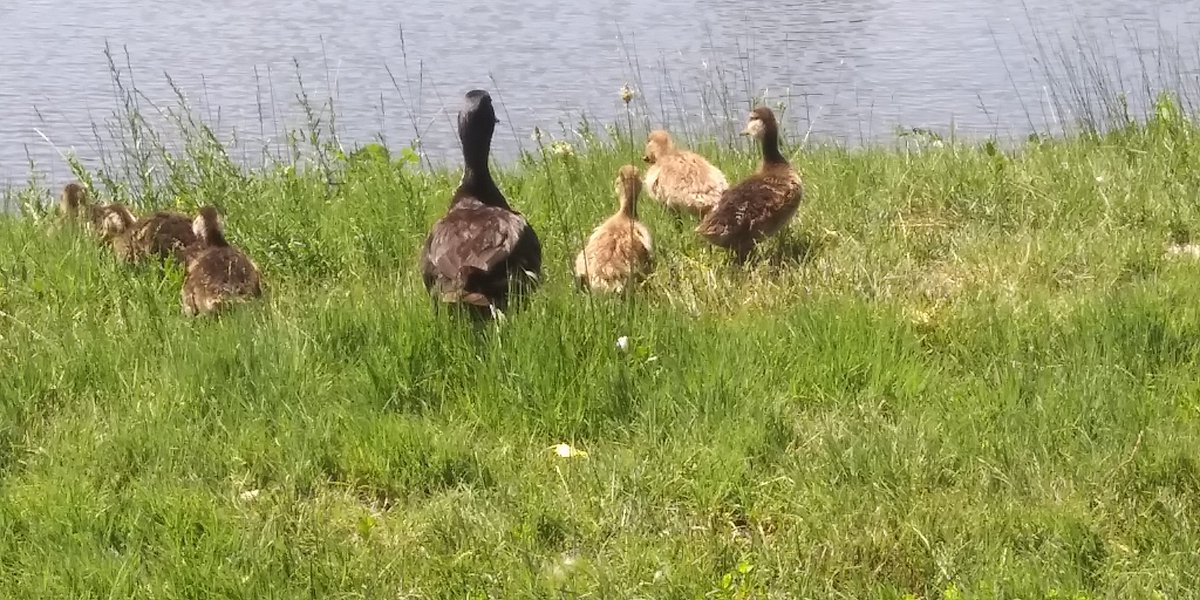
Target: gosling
[[762, 204], [165, 235], [679, 179], [619, 252], [218, 275]]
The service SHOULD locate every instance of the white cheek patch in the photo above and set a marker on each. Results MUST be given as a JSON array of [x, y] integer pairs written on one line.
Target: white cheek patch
[[754, 127]]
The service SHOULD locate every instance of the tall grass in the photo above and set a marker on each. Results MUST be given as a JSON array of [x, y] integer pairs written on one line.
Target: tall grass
[[966, 371]]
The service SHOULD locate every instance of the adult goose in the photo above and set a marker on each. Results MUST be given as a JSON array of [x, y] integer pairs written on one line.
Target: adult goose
[[481, 255], [218, 274], [762, 204]]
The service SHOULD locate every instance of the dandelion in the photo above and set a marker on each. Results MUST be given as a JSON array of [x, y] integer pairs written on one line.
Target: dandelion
[[623, 343], [627, 94], [566, 451], [561, 148]]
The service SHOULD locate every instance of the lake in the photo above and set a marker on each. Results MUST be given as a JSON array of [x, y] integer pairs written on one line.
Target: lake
[[851, 71]]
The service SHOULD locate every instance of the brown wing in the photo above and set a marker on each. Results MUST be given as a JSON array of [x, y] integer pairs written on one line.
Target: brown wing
[[756, 207], [164, 234], [476, 252], [218, 276]]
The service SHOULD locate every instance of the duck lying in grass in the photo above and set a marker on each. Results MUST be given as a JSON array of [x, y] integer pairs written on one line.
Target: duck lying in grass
[[619, 252], [762, 204], [481, 250], [163, 234], [75, 206], [115, 222], [218, 275], [681, 180]]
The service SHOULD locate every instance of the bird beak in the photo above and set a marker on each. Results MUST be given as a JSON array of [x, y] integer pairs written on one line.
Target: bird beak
[[647, 159], [745, 132]]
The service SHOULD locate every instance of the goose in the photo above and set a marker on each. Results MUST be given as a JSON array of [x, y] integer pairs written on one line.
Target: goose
[[218, 274], [481, 249], [163, 234], [763, 203], [114, 223], [680, 179], [73, 199], [619, 251], [109, 221]]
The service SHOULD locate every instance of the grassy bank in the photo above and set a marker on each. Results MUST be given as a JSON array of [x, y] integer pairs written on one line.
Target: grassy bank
[[965, 373]]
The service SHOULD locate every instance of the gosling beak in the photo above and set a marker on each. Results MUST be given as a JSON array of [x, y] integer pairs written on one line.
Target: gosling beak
[[745, 132], [647, 159]]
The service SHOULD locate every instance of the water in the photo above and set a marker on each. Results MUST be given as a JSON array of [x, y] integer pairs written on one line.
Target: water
[[851, 70]]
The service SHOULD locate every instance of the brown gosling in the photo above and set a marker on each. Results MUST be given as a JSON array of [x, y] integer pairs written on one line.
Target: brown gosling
[[163, 234], [619, 252], [762, 204], [72, 202], [679, 179], [218, 275], [114, 223], [108, 221]]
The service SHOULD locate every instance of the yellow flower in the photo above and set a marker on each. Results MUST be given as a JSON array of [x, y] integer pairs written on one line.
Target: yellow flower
[[627, 94]]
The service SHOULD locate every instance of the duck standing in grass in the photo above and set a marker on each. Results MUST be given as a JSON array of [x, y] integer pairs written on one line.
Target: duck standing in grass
[[218, 275], [481, 250], [681, 180], [762, 204], [619, 252]]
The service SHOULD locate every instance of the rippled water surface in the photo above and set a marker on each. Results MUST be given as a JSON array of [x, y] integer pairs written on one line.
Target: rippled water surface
[[852, 70]]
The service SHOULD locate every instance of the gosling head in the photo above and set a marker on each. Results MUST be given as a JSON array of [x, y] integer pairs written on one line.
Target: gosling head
[[74, 196], [760, 122], [477, 119], [117, 221], [658, 145], [208, 227], [628, 186]]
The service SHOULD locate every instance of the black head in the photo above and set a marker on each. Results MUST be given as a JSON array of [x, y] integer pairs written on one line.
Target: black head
[[477, 119]]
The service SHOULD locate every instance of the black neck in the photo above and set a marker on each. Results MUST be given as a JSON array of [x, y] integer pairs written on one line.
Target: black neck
[[770, 147], [477, 177]]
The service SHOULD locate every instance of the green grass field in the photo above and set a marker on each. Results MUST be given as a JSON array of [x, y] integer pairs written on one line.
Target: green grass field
[[965, 372]]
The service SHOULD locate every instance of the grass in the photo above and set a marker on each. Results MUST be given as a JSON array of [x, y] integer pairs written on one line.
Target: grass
[[965, 372]]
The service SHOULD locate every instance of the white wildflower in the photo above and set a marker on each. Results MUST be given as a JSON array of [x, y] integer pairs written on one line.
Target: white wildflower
[[566, 451], [623, 343], [562, 148]]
